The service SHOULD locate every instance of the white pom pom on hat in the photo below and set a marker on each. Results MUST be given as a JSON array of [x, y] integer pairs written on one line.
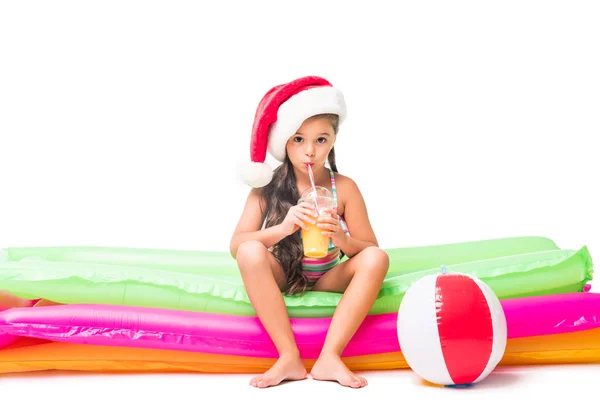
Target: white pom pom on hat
[[279, 115]]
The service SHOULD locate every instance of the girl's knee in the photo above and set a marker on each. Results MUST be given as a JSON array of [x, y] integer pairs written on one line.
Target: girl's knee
[[251, 254], [376, 259]]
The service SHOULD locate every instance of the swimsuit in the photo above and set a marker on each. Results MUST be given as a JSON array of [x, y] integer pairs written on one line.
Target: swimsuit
[[315, 268]]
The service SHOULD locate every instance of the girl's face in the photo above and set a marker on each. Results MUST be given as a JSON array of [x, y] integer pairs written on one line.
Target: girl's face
[[311, 144]]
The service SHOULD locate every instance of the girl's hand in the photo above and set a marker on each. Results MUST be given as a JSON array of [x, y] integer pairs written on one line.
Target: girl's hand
[[332, 228], [297, 218]]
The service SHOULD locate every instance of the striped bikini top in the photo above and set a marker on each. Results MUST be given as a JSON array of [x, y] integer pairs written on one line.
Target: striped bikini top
[[335, 203], [315, 268], [335, 207]]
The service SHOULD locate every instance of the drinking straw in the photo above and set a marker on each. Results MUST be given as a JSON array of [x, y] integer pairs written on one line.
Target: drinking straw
[[312, 182]]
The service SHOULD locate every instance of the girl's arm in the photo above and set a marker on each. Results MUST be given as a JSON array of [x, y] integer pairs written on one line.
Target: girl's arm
[[248, 227], [357, 219]]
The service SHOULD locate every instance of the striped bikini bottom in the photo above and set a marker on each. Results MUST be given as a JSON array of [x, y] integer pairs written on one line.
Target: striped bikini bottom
[[315, 268]]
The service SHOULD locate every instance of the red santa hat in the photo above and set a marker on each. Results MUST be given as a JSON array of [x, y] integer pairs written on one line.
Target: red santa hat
[[279, 115]]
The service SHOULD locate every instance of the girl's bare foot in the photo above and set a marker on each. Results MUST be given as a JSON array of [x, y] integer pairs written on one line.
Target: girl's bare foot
[[330, 367], [287, 367], [45, 303], [9, 300]]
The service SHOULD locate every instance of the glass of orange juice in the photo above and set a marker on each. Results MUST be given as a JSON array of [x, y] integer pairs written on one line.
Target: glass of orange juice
[[316, 245]]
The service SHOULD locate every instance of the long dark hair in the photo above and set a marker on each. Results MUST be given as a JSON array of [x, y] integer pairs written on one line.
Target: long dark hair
[[278, 196]]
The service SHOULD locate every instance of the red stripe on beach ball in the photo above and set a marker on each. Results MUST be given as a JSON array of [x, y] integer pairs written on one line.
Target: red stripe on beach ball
[[464, 326]]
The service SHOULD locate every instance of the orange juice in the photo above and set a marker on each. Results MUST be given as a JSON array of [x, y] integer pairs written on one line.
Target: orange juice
[[316, 245]]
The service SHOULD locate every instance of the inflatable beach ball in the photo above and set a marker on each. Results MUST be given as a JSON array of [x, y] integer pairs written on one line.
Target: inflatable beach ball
[[451, 329]]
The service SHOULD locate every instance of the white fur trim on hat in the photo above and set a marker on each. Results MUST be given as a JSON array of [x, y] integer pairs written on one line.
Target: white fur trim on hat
[[255, 174], [292, 114]]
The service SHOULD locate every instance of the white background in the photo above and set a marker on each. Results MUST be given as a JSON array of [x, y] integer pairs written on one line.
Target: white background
[[122, 122]]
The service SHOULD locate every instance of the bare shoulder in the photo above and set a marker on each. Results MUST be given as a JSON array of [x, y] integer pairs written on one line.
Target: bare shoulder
[[255, 194], [353, 208], [346, 185], [341, 179], [251, 217], [256, 197], [349, 194]]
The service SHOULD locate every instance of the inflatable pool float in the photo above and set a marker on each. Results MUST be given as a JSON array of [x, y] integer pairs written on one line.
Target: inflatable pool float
[[126, 326], [28, 355], [210, 281], [155, 310], [402, 260]]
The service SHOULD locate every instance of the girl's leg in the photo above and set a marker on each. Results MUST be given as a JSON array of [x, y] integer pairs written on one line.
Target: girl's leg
[[360, 279], [264, 280]]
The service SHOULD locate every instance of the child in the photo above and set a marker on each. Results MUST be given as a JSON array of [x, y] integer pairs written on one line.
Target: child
[[298, 123]]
